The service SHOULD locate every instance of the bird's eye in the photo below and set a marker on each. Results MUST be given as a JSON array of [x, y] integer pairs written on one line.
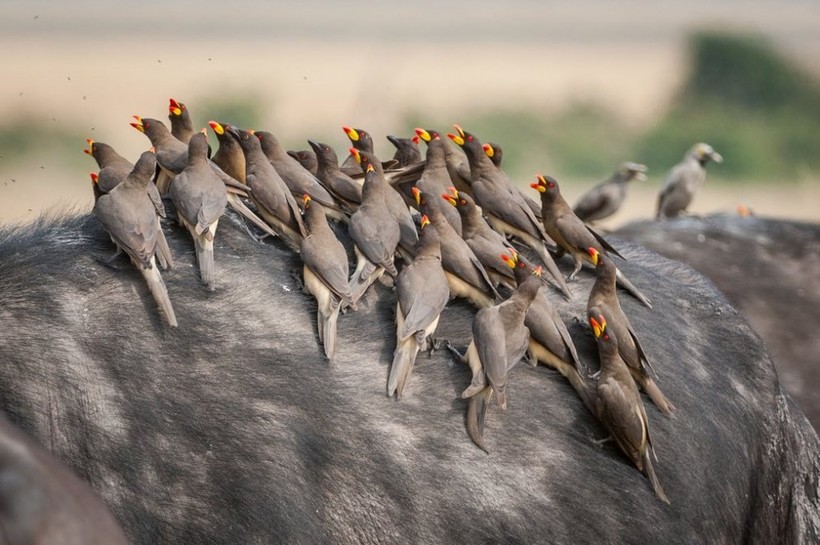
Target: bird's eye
[[606, 337], [522, 265], [469, 139], [146, 125], [551, 184], [463, 201]]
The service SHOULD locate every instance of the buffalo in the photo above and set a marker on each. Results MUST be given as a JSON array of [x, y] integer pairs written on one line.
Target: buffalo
[[233, 428], [768, 268]]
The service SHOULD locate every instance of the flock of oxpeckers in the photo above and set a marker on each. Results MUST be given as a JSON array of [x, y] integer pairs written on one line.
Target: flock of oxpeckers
[[458, 245]]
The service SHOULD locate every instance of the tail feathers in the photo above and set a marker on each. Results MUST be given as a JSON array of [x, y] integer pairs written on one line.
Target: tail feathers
[[237, 204], [582, 388], [205, 259], [649, 470], [159, 292], [657, 397], [327, 332], [166, 259], [630, 287], [403, 360], [362, 279], [477, 415], [549, 263]]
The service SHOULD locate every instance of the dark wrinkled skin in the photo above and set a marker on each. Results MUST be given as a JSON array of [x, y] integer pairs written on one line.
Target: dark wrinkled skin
[[233, 428], [768, 268]]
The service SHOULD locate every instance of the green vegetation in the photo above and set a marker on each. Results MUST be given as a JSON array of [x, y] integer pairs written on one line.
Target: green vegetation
[[23, 135]]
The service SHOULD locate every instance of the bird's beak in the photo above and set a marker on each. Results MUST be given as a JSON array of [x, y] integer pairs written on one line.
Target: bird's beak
[[488, 150], [424, 135], [351, 133], [716, 157], [540, 185], [417, 195], [138, 125], [218, 129], [356, 155], [455, 138], [459, 130], [449, 198], [598, 327], [370, 168], [594, 255], [425, 221], [95, 178], [306, 200], [415, 139], [174, 107], [90, 149], [538, 270], [508, 260]]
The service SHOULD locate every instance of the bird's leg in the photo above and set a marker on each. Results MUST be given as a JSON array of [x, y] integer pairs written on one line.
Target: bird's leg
[[578, 265], [459, 356], [109, 261], [436, 344], [299, 282], [531, 359], [600, 442]]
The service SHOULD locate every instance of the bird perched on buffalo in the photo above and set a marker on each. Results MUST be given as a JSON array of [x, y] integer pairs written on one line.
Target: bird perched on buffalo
[[618, 404], [114, 168], [362, 141], [505, 207], [485, 243], [422, 293], [465, 273], [229, 156], [200, 198], [684, 179], [550, 341], [272, 198], [296, 177], [325, 273], [571, 234], [128, 215], [346, 190], [182, 128], [603, 296], [375, 235], [435, 179], [500, 340], [606, 198]]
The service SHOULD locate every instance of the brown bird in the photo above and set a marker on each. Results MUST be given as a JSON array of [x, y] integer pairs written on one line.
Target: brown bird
[[618, 405], [500, 340], [272, 198], [296, 177], [172, 154], [684, 179], [407, 150], [550, 341], [485, 243], [200, 198], [394, 202], [505, 208], [359, 139], [572, 235], [435, 179], [95, 179], [128, 215], [603, 296], [375, 235], [496, 154], [346, 190], [422, 293], [606, 198], [325, 272], [114, 168], [229, 156], [465, 273], [182, 128], [306, 158]]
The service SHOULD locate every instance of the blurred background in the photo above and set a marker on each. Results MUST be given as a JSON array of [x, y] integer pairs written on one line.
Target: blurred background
[[567, 88]]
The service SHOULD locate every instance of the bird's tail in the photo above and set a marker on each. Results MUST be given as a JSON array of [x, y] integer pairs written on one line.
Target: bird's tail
[[404, 357], [651, 388], [159, 292], [650, 473], [477, 415], [624, 282], [166, 259], [365, 274], [327, 331], [236, 203], [567, 370], [205, 259], [549, 263]]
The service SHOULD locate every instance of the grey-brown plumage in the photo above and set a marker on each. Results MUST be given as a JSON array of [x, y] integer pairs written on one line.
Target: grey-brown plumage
[[407, 150], [172, 154], [296, 177], [603, 296], [325, 273], [200, 198], [486, 243], [572, 235], [182, 128], [273, 199], [229, 156], [394, 202], [435, 180], [114, 168], [128, 215], [375, 235], [618, 404], [684, 179], [496, 154], [346, 190], [362, 141], [465, 273], [505, 208], [500, 340], [422, 293], [307, 159], [606, 198], [550, 341]]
